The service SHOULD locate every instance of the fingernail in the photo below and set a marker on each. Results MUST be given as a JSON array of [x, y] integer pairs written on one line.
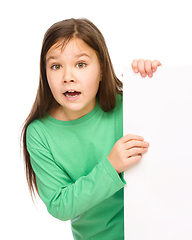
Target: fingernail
[[153, 70], [150, 74], [146, 144], [136, 70], [141, 138], [143, 74]]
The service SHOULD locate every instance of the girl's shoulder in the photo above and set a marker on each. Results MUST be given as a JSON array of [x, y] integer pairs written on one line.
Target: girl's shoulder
[[37, 127], [36, 124], [36, 135]]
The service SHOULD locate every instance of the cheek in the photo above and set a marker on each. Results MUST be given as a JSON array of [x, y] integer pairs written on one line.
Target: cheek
[[51, 79], [98, 79], [53, 87], [92, 82], [95, 76], [49, 82]]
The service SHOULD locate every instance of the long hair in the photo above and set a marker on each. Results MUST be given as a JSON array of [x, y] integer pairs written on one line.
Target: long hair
[[109, 86]]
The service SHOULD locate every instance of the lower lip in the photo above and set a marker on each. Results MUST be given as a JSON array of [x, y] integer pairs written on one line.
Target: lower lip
[[72, 98]]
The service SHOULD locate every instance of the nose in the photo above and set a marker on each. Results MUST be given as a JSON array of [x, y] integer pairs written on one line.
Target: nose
[[68, 76], [66, 81]]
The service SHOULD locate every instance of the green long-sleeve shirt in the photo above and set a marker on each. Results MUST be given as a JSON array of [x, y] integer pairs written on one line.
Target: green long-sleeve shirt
[[74, 177]]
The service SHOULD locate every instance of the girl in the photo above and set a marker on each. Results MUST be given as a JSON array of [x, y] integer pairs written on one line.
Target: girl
[[74, 149]]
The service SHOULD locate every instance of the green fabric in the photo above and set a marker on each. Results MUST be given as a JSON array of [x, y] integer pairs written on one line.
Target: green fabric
[[74, 177]]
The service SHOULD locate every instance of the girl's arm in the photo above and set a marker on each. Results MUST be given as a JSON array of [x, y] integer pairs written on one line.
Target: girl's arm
[[64, 198]]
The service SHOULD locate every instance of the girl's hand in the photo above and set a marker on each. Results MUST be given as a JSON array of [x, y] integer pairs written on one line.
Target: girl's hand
[[145, 67], [126, 151]]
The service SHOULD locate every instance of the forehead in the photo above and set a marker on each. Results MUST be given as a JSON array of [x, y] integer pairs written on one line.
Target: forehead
[[73, 47]]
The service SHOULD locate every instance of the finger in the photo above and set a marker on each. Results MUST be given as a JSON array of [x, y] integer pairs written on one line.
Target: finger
[[129, 137], [134, 66], [135, 151], [155, 64], [136, 143], [141, 67], [134, 159], [148, 68]]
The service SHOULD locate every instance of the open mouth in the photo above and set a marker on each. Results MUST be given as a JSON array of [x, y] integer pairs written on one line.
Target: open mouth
[[72, 93]]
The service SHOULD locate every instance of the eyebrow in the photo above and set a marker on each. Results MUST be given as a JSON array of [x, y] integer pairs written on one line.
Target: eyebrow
[[77, 56], [51, 57], [81, 55]]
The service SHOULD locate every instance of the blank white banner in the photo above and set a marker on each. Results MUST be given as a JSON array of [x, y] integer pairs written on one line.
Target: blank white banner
[[158, 194]]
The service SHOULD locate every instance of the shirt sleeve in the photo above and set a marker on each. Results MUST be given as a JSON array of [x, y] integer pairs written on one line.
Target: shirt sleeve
[[64, 198]]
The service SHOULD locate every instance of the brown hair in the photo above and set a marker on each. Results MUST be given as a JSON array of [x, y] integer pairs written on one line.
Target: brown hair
[[109, 86]]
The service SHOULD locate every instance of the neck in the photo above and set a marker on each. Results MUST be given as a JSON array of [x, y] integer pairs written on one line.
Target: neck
[[62, 114]]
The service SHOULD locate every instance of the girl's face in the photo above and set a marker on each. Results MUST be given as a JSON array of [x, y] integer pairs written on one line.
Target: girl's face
[[73, 74]]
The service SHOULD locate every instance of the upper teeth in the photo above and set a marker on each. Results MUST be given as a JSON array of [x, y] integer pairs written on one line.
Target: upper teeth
[[67, 94]]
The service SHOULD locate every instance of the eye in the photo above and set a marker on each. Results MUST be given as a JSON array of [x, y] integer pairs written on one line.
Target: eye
[[81, 65], [56, 67]]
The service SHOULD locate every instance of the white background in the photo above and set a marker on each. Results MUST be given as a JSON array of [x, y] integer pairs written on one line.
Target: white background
[[158, 193], [132, 29]]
